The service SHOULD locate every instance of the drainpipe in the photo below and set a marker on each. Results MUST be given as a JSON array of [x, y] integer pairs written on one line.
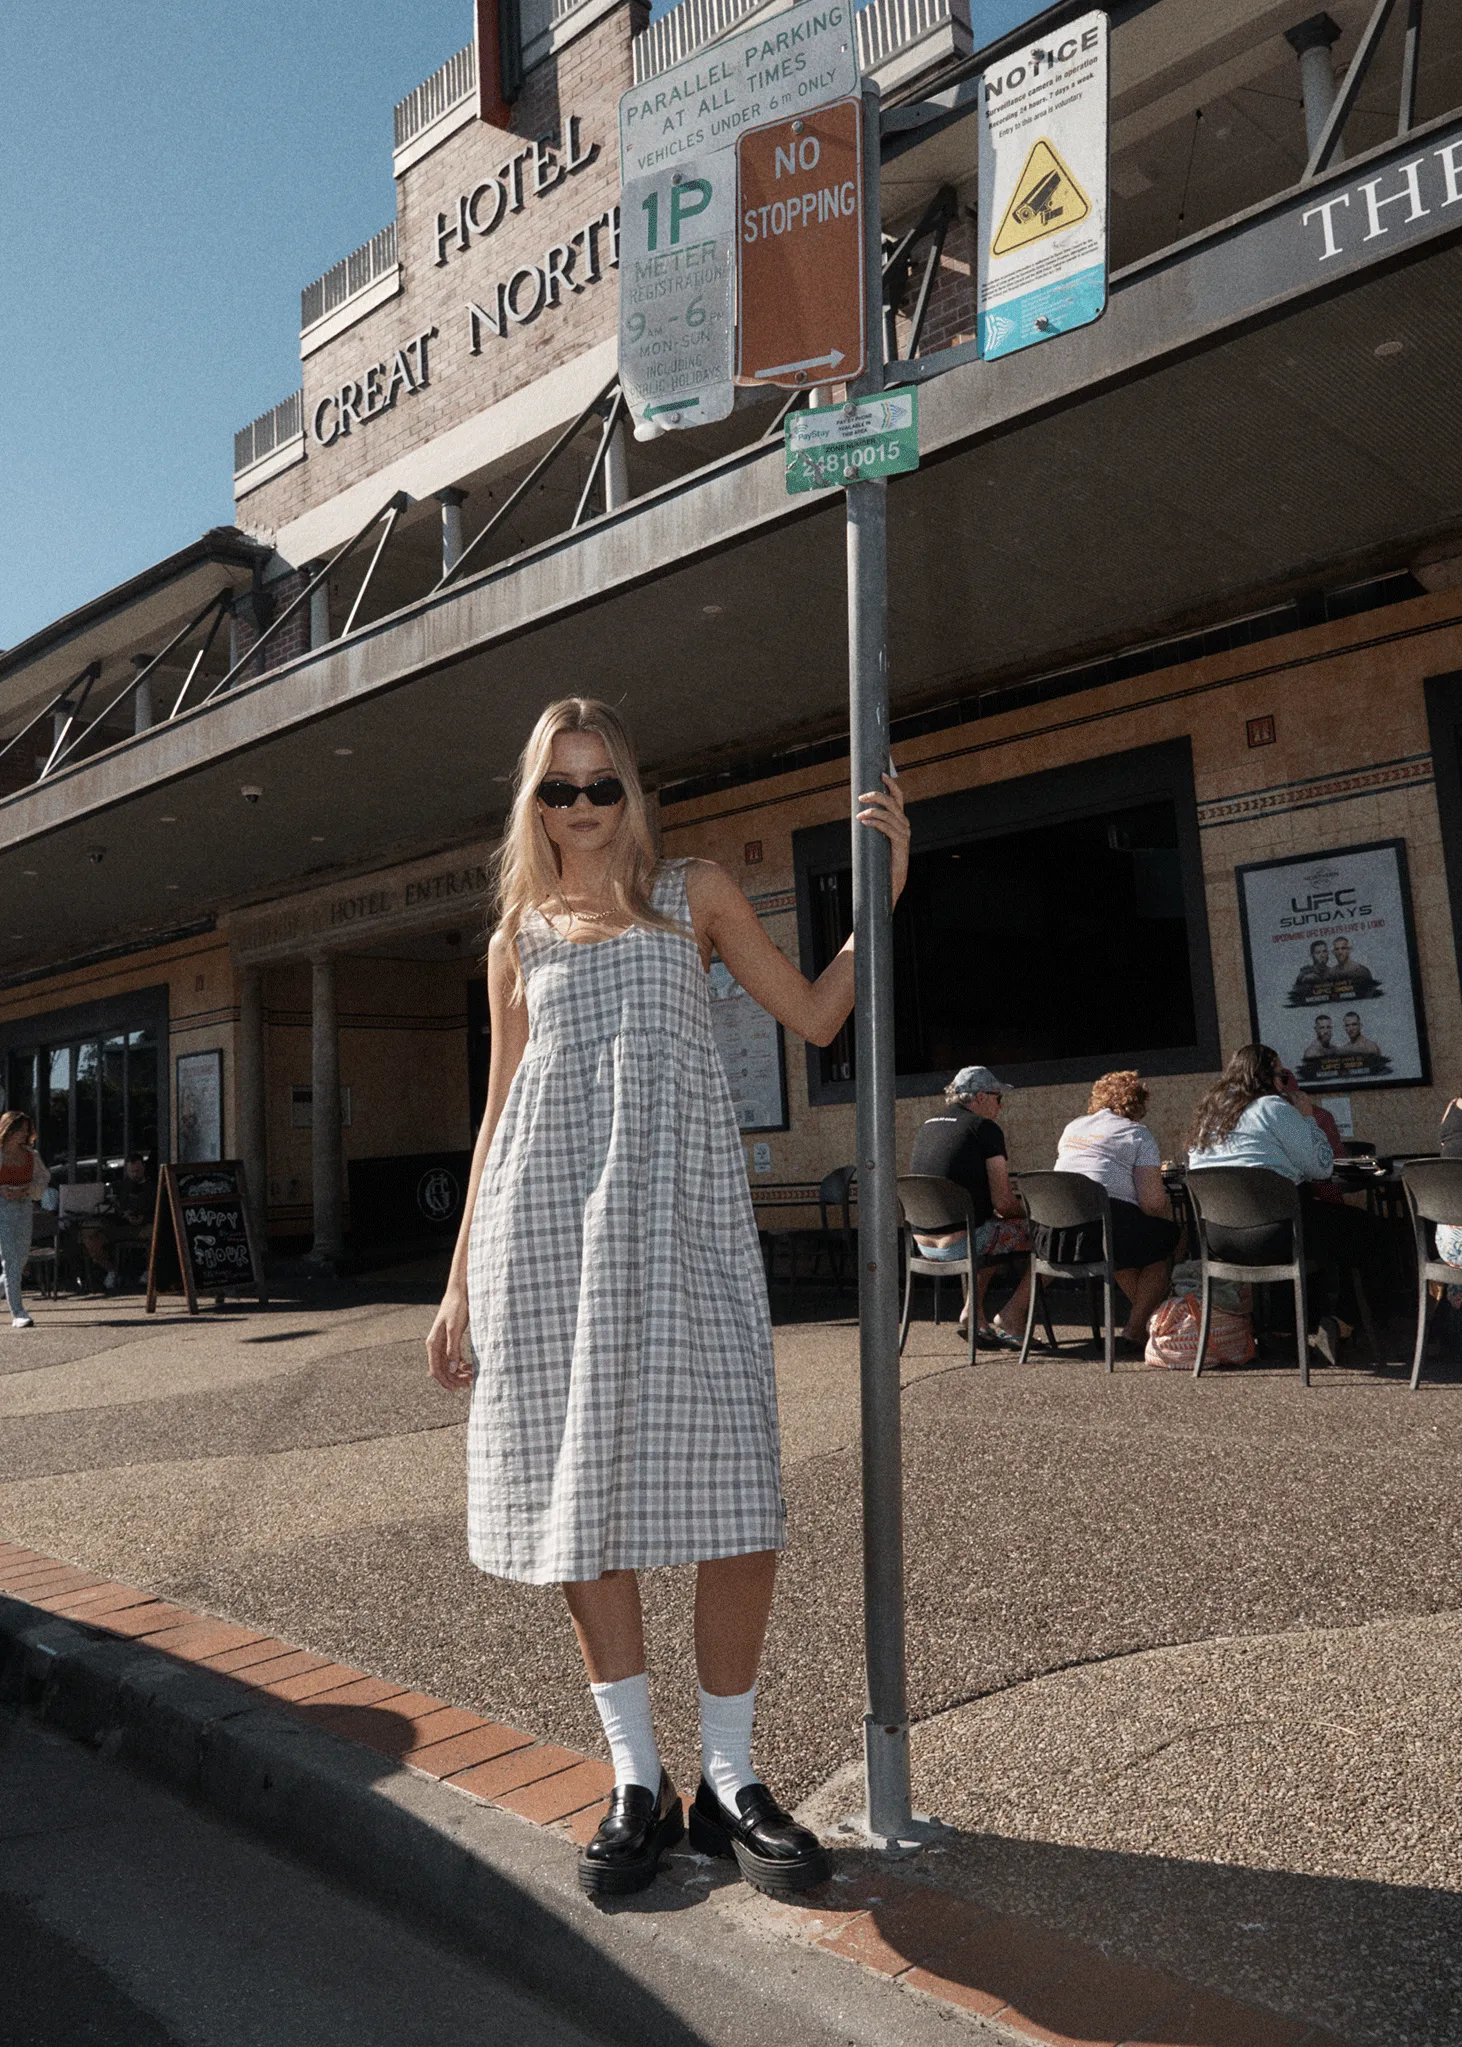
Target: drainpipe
[[1312, 43]]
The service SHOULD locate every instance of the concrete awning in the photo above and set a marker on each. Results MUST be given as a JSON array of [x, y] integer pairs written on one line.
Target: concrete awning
[[1251, 414], [137, 615]]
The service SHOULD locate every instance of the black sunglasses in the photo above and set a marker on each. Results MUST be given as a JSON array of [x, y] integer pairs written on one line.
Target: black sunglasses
[[603, 794]]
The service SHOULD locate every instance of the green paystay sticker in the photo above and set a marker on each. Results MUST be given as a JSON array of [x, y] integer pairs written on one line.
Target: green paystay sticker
[[853, 443]]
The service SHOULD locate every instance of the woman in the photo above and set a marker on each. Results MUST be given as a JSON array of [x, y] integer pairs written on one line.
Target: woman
[[1111, 1145], [1250, 1118], [23, 1180], [624, 1406]]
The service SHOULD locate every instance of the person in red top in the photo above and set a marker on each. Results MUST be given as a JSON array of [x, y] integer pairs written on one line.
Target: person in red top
[[1324, 1190], [23, 1180]]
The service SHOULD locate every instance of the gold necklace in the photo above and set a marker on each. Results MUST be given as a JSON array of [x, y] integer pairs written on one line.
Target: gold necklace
[[586, 916]]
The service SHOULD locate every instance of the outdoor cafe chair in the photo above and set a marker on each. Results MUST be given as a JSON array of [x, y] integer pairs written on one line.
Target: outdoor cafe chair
[[42, 1256], [1434, 1195], [833, 1242], [836, 1191], [931, 1205], [1069, 1201], [1253, 1198]]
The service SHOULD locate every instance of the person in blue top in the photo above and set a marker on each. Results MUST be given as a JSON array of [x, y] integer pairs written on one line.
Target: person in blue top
[[1250, 1117]]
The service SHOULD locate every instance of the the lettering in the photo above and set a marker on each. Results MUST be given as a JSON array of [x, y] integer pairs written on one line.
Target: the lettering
[[1411, 172], [374, 392], [481, 211]]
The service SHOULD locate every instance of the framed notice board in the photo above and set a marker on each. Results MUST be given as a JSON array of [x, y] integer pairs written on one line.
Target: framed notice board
[[202, 1219]]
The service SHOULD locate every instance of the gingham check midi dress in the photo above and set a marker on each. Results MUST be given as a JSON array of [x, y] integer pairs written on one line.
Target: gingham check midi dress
[[624, 1408]]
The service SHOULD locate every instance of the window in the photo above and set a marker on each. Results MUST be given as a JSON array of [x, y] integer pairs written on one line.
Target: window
[[1052, 927], [90, 1078]]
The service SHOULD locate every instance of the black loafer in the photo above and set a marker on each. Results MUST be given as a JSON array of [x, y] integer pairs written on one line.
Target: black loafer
[[635, 1832], [771, 1850]]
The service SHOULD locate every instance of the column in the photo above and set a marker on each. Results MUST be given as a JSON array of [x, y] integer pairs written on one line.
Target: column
[[451, 502], [141, 696], [616, 470], [326, 1154], [1312, 42], [253, 1138], [319, 607]]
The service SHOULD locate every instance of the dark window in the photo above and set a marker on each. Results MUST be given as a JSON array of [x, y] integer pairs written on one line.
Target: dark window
[[1049, 948]]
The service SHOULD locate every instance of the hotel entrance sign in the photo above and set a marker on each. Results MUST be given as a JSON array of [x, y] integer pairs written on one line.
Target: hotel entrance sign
[[1043, 189], [800, 251], [677, 232], [789, 64]]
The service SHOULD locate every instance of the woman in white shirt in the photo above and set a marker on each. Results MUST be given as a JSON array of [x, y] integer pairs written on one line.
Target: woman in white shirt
[[1250, 1117], [1113, 1146]]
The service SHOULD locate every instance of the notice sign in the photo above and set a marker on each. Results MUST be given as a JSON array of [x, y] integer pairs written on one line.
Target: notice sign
[[853, 443], [677, 239], [1043, 189], [750, 1044], [1333, 982], [789, 63], [800, 250]]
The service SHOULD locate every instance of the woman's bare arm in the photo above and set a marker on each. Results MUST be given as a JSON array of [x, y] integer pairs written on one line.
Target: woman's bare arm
[[1152, 1193], [509, 1015], [725, 921]]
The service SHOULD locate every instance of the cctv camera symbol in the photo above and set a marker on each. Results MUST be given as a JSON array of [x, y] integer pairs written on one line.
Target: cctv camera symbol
[[1039, 204], [251, 792]]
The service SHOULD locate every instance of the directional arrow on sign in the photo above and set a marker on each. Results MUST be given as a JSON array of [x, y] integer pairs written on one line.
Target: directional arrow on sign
[[829, 361]]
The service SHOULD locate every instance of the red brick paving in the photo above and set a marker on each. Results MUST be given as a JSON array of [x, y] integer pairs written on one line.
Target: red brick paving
[[555, 1797], [103, 1599], [511, 1773], [478, 1744], [323, 1678], [1043, 1987], [253, 1656], [354, 1691], [151, 1619]]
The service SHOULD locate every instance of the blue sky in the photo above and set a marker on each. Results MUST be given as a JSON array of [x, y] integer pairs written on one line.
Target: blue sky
[[171, 173]]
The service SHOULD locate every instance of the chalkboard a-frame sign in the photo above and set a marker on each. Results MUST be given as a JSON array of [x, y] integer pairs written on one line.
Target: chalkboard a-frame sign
[[204, 1210]]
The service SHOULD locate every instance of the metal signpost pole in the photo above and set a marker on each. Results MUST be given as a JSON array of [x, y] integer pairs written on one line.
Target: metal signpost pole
[[885, 1725]]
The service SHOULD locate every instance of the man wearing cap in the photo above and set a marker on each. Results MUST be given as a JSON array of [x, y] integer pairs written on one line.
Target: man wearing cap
[[966, 1144]]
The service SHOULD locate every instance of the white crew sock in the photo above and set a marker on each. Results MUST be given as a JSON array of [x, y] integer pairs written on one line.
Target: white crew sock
[[624, 1708], [726, 1743]]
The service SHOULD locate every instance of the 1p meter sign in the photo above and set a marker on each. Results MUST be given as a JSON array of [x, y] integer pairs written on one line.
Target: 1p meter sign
[[1043, 188], [800, 249], [676, 264]]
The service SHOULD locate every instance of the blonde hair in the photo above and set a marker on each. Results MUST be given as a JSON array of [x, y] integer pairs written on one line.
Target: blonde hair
[[1125, 1094], [9, 1121], [528, 871]]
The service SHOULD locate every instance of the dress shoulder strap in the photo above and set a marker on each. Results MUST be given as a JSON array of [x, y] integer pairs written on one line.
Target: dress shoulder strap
[[668, 892]]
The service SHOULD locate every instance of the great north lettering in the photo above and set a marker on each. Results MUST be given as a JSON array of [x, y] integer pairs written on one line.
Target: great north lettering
[[375, 391], [566, 267], [481, 210]]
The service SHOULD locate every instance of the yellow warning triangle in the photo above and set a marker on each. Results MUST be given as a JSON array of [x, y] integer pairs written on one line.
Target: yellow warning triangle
[[1046, 199]]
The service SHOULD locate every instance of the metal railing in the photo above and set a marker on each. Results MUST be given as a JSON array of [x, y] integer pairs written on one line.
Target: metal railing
[[269, 431], [883, 28], [446, 88], [888, 26], [352, 274]]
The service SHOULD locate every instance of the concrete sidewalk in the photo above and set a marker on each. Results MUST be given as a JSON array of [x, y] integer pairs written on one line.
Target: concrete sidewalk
[[1181, 1654]]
